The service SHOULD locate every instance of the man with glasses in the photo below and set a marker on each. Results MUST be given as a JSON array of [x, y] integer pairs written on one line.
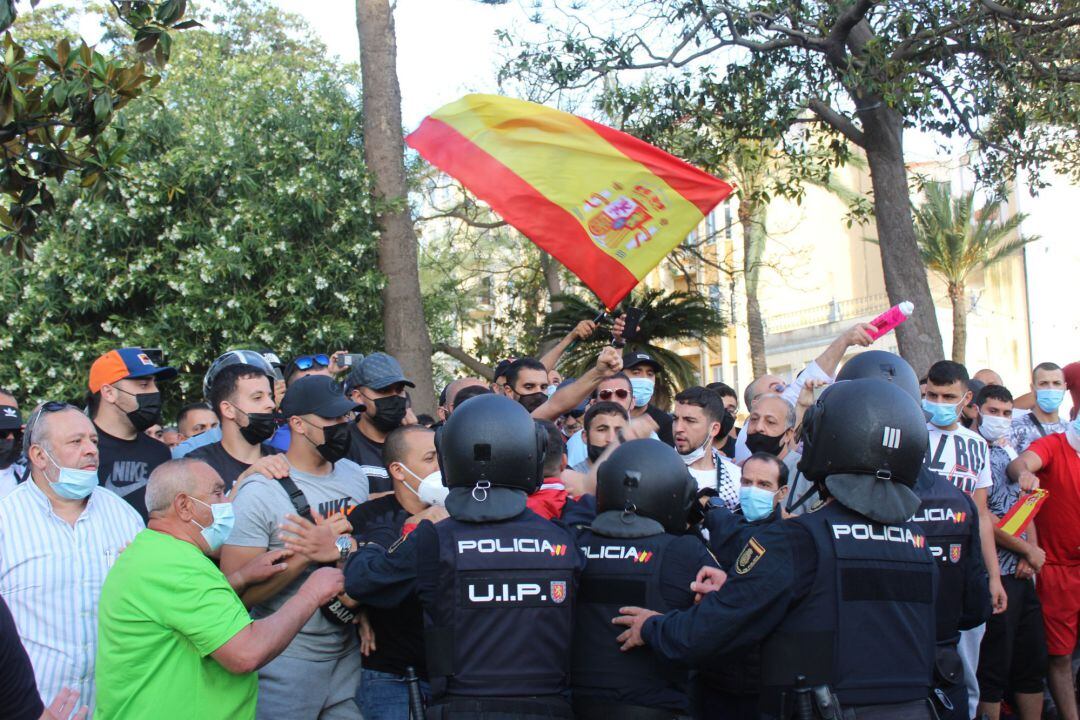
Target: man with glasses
[[377, 384], [125, 401], [12, 470], [60, 532]]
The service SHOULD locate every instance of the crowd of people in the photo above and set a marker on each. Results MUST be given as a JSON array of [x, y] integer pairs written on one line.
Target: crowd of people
[[301, 544]]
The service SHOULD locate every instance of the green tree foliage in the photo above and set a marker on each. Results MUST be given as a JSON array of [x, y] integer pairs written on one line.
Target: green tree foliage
[[1001, 74], [669, 317], [244, 220], [956, 240], [58, 101]]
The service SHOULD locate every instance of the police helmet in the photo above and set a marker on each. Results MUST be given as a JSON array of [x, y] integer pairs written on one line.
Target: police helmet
[[235, 357], [883, 365], [864, 442], [491, 454], [643, 489]]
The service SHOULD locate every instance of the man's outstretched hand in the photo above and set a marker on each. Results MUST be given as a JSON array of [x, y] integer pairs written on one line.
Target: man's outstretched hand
[[634, 619]]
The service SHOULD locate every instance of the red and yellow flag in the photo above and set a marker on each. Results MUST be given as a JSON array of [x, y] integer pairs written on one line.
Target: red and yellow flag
[[1022, 513], [606, 205]]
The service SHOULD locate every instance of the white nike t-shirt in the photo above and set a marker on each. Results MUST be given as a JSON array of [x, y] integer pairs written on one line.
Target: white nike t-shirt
[[960, 456]]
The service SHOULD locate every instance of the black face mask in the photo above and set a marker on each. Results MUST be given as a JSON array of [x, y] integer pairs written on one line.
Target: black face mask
[[760, 442], [389, 412], [148, 411], [260, 427], [9, 451], [595, 451], [533, 400], [335, 442]]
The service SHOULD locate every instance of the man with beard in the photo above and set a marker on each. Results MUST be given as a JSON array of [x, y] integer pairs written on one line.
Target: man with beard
[[527, 382], [377, 385], [11, 431], [124, 401], [604, 422], [699, 418]]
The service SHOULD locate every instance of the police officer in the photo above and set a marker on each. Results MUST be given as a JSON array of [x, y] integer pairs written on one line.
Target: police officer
[[497, 582], [843, 597], [951, 523], [638, 553]]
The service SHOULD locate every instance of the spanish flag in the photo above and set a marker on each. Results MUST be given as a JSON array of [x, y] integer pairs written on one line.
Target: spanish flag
[[606, 205], [1023, 512]]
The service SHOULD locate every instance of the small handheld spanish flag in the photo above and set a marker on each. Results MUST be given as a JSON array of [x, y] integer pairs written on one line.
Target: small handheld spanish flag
[[1022, 513], [606, 205]]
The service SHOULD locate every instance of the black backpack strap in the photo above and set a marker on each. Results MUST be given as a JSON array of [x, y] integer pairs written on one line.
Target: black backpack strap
[[297, 497], [1038, 425]]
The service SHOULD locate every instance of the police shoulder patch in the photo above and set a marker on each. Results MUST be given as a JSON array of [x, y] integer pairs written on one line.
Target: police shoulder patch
[[749, 556]]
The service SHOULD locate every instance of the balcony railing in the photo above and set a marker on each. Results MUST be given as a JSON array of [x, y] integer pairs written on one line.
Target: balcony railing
[[835, 311]]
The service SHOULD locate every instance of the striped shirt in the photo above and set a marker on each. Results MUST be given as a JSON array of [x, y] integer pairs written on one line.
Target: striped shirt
[[51, 576]]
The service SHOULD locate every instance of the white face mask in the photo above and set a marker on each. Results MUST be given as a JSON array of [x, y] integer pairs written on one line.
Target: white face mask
[[431, 490], [696, 454], [994, 427]]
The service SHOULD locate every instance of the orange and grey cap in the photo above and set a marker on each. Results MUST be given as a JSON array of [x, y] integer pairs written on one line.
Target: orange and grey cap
[[123, 363]]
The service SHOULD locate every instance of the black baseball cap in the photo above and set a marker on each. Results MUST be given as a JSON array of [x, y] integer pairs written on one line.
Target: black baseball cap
[[10, 418], [631, 359], [317, 395]]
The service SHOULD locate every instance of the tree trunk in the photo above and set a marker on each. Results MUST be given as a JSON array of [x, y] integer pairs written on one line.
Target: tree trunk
[[553, 281], [752, 220], [957, 295], [404, 328], [905, 276]]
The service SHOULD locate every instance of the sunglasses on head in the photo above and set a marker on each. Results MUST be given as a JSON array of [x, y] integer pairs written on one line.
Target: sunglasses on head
[[621, 393], [304, 362], [45, 408]]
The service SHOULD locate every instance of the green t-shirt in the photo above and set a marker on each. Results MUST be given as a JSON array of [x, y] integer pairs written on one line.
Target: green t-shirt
[[164, 609]]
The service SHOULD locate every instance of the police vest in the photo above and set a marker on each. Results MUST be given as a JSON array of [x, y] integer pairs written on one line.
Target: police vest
[[866, 628], [503, 620], [621, 572], [947, 518]]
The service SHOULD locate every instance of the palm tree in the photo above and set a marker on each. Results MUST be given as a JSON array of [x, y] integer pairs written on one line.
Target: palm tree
[[668, 317], [955, 240]]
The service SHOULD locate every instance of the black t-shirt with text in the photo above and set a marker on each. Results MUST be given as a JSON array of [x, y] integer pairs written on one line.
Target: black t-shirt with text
[[229, 468], [368, 455], [124, 466], [399, 631]]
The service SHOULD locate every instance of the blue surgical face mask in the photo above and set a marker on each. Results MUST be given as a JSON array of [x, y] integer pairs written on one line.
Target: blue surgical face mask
[[217, 532], [1049, 399], [73, 483], [643, 390], [941, 414], [756, 503]]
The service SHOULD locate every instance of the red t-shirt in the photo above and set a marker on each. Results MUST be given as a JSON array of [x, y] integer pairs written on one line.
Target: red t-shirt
[[1058, 522]]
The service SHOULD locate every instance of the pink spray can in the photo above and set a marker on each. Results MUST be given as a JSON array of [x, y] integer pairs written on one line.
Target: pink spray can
[[892, 317]]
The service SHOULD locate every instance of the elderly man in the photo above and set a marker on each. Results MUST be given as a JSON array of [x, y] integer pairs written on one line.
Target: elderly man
[[175, 639], [822, 370], [59, 535]]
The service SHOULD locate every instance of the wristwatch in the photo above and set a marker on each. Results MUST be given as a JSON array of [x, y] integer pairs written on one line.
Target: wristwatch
[[344, 546]]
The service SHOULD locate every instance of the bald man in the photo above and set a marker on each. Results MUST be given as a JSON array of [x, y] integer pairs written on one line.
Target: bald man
[[988, 377], [174, 633], [452, 390]]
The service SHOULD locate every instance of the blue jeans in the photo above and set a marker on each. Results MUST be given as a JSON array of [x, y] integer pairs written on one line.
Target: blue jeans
[[385, 696]]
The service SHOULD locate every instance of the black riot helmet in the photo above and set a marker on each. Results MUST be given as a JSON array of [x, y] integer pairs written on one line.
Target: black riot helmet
[[864, 441], [883, 365], [491, 454], [643, 489]]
